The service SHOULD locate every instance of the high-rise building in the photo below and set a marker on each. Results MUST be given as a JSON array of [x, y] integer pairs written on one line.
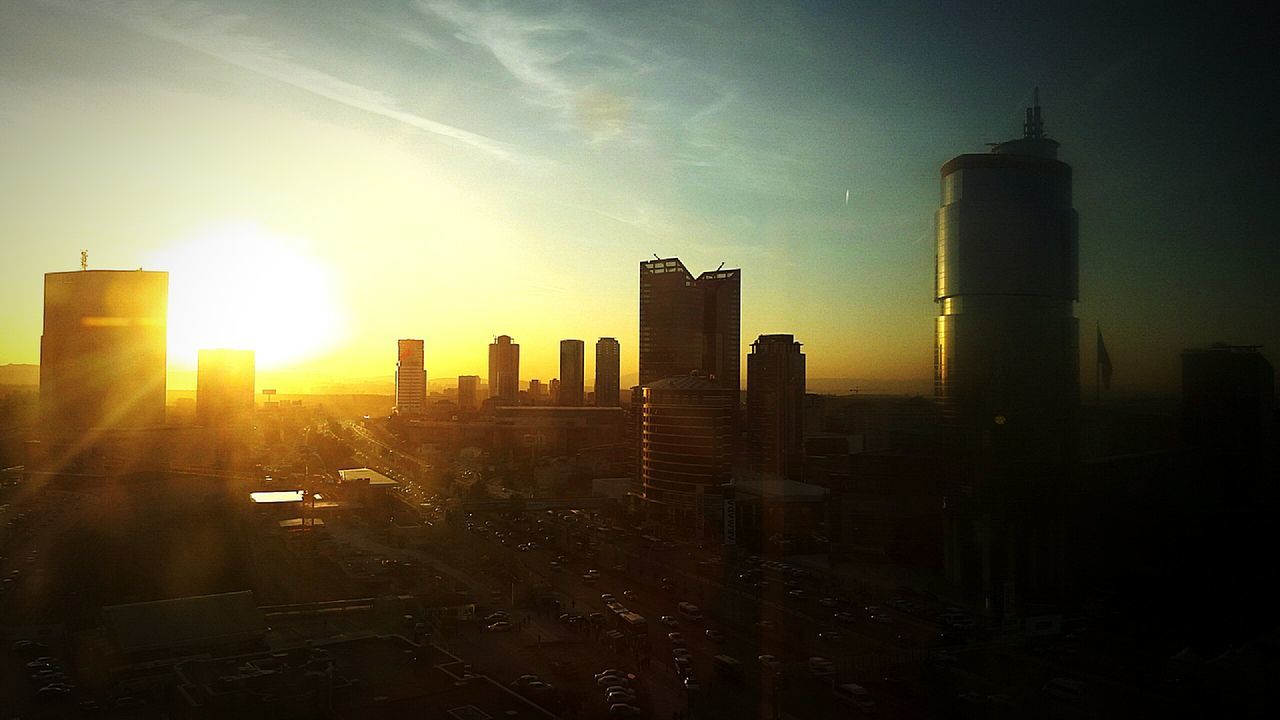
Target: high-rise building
[[468, 392], [689, 325], [537, 392], [504, 370], [1007, 351], [608, 372], [1228, 401], [686, 443], [775, 405], [1007, 365], [224, 388], [103, 351], [572, 380], [555, 391], [411, 378]]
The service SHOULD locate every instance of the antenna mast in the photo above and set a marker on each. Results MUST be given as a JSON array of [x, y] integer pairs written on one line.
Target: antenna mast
[[1033, 127]]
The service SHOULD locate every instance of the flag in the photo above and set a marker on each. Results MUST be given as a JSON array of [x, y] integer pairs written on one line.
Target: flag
[[1104, 361]]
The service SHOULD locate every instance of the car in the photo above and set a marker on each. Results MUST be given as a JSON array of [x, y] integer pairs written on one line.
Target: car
[[856, 695], [882, 619], [1072, 691], [629, 594], [616, 697], [607, 597], [828, 602], [675, 638], [623, 710], [669, 621], [524, 681], [715, 635], [691, 684], [874, 610], [798, 594], [831, 636], [681, 652], [500, 626], [611, 680], [683, 666], [606, 673], [845, 617], [770, 662], [494, 617], [556, 566], [821, 667]]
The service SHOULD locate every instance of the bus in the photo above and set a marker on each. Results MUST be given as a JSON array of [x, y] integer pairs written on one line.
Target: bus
[[632, 623], [690, 611]]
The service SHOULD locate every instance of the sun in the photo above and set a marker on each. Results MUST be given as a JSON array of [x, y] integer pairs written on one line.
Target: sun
[[239, 286]]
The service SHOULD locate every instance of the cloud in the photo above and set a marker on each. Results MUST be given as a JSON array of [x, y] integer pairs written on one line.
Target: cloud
[[195, 26]]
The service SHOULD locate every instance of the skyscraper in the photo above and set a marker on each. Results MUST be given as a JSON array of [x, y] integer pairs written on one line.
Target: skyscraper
[[103, 351], [689, 325], [224, 387], [411, 378], [1007, 351], [1007, 365], [504, 370], [468, 392], [608, 372], [572, 361], [775, 405]]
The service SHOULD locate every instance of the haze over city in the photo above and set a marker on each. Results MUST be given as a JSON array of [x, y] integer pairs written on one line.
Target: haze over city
[[322, 179]]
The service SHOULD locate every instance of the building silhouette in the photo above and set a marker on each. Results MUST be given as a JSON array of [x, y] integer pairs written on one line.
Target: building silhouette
[[686, 445], [537, 392], [468, 392], [608, 372], [1228, 403], [411, 378], [775, 405], [572, 361], [103, 349], [554, 391], [1007, 362], [224, 387], [504, 370], [689, 325]]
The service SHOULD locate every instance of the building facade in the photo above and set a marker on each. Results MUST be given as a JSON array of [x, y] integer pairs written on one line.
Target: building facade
[[689, 325], [504, 370], [103, 350], [686, 444], [411, 378], [468, 392], [572, 380], [775, 405], [224, 387], [608, 372]]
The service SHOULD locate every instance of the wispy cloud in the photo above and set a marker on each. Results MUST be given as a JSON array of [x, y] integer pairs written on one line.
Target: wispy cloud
[[220, 35]]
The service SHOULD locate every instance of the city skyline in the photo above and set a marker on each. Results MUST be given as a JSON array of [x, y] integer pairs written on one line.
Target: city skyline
[[803, 149]]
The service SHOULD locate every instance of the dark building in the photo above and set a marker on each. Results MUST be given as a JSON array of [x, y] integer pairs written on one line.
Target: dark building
[[686, 444], [468, 392], [608, 372], [411, 377], [1228, 400], [224, 387], [775, 405], [1007, 363], [689, 325], [103, 351], [572, 362], [504, 370]]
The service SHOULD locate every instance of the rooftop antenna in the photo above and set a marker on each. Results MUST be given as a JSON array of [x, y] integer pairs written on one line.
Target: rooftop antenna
[[1033, 127], [655, 256], [84, 259], [720, 268]]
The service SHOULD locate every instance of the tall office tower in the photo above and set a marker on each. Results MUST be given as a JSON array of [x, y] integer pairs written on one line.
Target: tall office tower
[[775, 405], [504, 370], [686, 444], [608, 372], [411, 379], [103, 351], [224, 388], [468, 392], [1229, 404], [572, 380], [537, 392], [1007, 361], [689, 325], [555, 391]]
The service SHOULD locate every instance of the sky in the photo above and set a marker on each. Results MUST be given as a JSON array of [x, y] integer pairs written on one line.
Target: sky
[[322, 178]]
